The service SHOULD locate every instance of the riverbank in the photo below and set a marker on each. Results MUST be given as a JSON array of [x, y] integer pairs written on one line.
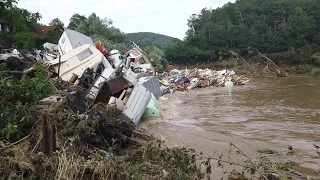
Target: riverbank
[[255, 68], [264, 118]]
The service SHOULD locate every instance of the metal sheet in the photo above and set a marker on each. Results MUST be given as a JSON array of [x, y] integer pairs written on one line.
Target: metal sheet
[[117, 84], [152, 84], [103, 95], [137, 103], [110, 88]]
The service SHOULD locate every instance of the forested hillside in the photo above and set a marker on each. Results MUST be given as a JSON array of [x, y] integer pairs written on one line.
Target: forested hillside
[[158, 40], [287, 30]]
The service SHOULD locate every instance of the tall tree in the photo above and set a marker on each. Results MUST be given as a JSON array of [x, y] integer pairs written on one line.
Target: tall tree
[[76, 20], [102, 29], [56, 22]]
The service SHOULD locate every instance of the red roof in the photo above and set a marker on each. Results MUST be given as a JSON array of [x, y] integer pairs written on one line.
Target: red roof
[[45, 29]]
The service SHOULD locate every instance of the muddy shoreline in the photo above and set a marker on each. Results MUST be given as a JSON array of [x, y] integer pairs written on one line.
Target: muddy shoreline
[[265, 114]]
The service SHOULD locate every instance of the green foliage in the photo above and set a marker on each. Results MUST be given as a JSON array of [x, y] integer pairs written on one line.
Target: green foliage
[[229, 64], [23, 25], [76, 20], [20, 20], [181, 53], [15, 95], [287, 27], [315, 72], [241, 72], [267, 151], [56, 22], [316, 58], [51, 36], [148, 38], [99, 29], [157, 57], [24, 40]]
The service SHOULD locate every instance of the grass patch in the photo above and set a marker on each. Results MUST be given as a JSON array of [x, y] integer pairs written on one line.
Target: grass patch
[[288, 165], [291, 153], [267, 151]]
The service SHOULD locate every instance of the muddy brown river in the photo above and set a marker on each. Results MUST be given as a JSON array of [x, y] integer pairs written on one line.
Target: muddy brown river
[[266, 113]]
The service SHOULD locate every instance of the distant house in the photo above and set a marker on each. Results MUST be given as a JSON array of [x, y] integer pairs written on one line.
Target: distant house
[[44, 29]]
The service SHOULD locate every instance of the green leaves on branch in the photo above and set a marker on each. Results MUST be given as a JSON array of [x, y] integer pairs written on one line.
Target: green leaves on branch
[[99, 29], [157, 57], [15, 96]]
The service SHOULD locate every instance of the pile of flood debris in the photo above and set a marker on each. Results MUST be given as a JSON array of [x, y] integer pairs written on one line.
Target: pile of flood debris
[[126, 80], [97, 144], [71, 138], [87, 128], [188, 79]]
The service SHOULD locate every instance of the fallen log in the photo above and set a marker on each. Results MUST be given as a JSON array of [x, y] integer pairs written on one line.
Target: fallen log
[[25, 72], [279, 71]]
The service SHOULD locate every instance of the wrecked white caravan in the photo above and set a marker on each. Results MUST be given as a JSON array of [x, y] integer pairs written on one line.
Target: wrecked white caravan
[[71, 39], [77, 61], [141, 61]]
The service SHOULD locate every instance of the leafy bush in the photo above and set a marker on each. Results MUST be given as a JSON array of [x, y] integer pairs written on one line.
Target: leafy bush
[[316, 58], [229, 64], [15, 96], [157, 57], [315, 72]]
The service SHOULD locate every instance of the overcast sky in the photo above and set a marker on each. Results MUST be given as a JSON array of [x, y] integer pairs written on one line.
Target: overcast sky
[[167, 17]]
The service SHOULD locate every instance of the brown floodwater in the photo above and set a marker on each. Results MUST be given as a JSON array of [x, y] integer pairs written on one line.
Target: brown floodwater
[[266, 113]]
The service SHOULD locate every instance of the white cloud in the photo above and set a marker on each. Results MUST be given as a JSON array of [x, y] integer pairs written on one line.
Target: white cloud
[[167, 17]]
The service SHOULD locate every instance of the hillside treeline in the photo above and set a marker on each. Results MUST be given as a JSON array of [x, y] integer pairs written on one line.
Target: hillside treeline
[[286, 30], [147, 38]]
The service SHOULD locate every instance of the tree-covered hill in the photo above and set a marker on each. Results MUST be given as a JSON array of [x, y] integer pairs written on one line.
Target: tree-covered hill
[[286, 29], [158, 40]]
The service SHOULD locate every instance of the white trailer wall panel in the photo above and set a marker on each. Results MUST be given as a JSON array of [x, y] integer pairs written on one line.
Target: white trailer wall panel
[[137, 103], [71, 39]]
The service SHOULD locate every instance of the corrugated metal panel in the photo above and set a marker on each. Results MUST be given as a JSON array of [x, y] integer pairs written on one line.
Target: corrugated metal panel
[[152, 84], [137, 103]]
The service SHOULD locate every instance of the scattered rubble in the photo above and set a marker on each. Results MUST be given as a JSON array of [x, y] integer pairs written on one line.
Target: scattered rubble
[[187, 79], [126, 80]]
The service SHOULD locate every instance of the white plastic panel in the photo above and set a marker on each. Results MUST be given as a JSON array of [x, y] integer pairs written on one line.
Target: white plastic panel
[[137, 103]]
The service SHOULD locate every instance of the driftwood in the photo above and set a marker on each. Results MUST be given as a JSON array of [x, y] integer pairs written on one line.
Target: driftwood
[[24, 73], [244, 62], [279, 71], [32, 69]]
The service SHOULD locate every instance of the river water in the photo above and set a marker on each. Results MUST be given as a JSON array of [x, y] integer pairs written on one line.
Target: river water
[[266, 113]]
